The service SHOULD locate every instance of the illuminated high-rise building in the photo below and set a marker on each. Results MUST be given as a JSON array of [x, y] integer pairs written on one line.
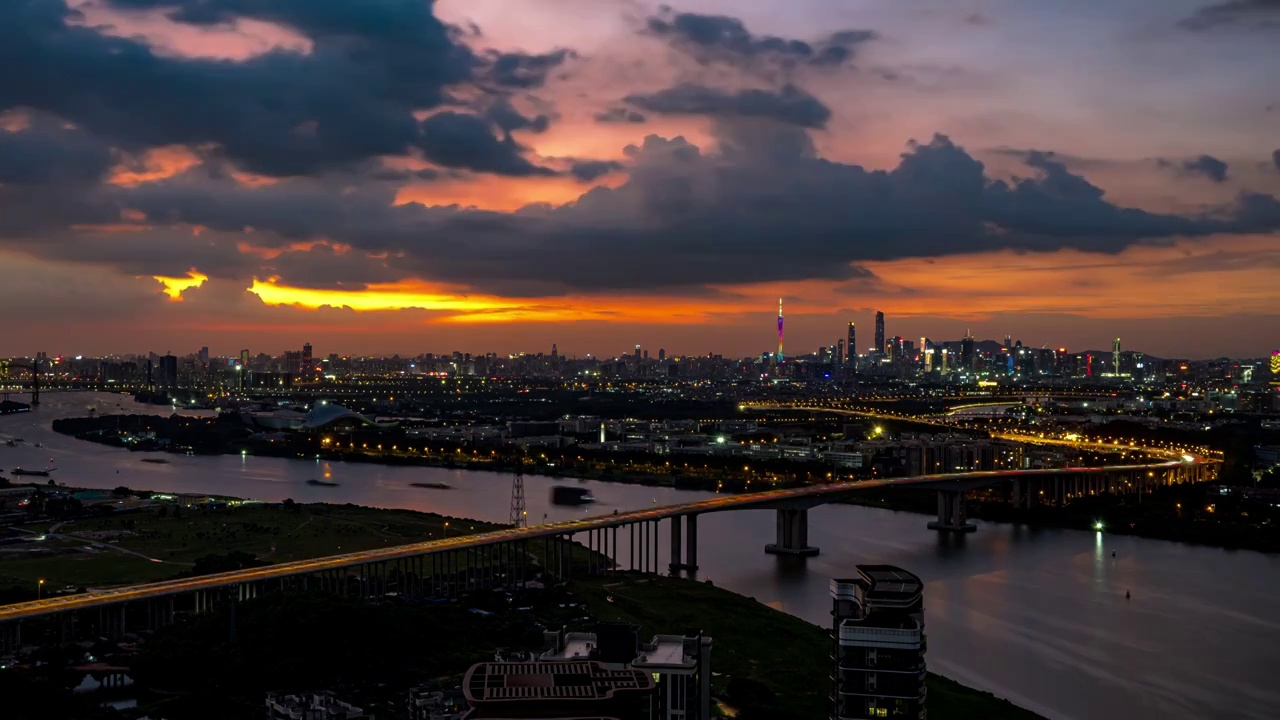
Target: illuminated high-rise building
[[879, 332], [839, 357], [852, 343], [1115, 356], [1275, 364], [779, 330]]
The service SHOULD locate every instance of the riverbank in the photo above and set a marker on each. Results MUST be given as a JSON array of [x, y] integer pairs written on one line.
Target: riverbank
[[1199, 514], [778, 666]]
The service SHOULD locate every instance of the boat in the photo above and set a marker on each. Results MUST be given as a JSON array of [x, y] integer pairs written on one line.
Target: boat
[[38, 473], [566, 495], [432, 485], [39, 444], [11, 444], [321, 483], [156, 461]]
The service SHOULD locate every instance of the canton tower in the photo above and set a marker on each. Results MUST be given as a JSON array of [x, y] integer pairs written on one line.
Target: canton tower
[[779, 330]]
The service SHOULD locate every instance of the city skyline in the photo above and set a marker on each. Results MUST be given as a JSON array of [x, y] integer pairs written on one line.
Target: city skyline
[[599, 174]]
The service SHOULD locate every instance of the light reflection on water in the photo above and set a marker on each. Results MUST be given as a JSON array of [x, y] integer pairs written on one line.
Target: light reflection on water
[[1035, 615]]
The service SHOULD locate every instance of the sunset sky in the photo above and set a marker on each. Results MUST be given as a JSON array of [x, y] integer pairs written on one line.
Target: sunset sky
[[402, 176]]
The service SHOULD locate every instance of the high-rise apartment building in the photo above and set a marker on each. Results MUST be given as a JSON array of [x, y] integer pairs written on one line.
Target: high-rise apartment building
[[879, 332], [878, 642], [852, 344]]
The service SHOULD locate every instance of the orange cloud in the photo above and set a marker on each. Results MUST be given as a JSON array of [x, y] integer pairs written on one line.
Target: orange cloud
[[271, 253], [502, 194], [459, 307], [174, 286], [240, 39], [155, 164]]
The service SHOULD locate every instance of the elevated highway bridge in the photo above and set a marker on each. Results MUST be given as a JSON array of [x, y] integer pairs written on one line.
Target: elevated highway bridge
[[502, 558]]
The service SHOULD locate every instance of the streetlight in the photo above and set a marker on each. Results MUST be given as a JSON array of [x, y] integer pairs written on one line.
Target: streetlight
[[446, 528], [39, 587]]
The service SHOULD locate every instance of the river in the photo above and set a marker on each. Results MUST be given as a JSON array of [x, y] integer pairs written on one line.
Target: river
[[1037, 616]]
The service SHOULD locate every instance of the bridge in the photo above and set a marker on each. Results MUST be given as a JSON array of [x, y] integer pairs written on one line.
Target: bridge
[[34, 367], [502, 558]]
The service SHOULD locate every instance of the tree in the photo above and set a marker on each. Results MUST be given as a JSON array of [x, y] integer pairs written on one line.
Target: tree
[[122, 491]]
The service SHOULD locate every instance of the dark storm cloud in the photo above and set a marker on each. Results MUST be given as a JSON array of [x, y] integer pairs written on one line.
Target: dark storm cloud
[[619, 115], [790, 105], [588, 170], [1205, 166], [508, 119], [283, 113], [1239, 13], [48, 153], [1208, 166], [523, 71], [765, 207], [458, 140], [721, 38]]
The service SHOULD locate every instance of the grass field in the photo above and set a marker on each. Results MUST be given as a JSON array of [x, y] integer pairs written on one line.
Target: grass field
[[787, 655], [145, 546]]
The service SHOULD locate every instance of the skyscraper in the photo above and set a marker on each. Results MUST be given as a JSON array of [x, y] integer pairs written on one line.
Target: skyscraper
[[839, 358], [852, 344], [779, 330], [1115, 356], [878, 640], [879, 332], [1275, 364], [966, 351]]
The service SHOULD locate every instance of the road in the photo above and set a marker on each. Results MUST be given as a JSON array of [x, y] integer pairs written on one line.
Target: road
[[765, 499]]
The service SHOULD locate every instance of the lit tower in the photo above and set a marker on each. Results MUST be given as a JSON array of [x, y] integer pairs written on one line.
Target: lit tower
[[518, 511], [1115, 356], [779, 330]]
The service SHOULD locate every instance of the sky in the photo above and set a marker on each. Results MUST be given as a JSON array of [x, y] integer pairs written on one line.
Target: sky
[[407, 176]]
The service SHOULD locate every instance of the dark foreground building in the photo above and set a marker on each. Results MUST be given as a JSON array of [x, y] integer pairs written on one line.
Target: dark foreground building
[[878, 642], [609, 674], [584, 689]]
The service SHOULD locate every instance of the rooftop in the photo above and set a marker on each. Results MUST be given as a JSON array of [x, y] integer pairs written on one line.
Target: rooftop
[[524, 682]]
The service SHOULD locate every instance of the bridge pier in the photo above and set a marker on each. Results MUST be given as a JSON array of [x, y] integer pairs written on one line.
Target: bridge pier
[[684, 544], [793, 534], [951, 513]]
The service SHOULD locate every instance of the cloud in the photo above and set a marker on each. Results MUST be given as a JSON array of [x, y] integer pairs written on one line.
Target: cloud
[[508, 119], [588, 170], [353, 97], [719, 38], [763, 206], [48, 153], [1208, 166], [459, 140], [1203, 166], [619, 115], [1235, 13], [523, 71], [790, 105]]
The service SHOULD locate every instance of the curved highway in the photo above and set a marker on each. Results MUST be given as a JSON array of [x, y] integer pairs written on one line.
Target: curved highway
[[765, 499]]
